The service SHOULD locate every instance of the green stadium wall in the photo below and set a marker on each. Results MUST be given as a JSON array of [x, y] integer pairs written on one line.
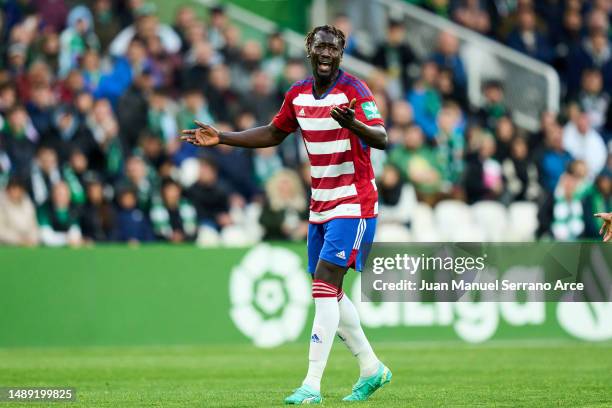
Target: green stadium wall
[[162, 295], [292, 14]]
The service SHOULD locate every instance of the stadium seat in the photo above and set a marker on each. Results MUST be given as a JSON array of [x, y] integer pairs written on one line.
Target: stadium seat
[[236, 236], [207, 237], [492, 218], [523, 218], [453, 220], [189, 172], [392, 233], [423, 226]]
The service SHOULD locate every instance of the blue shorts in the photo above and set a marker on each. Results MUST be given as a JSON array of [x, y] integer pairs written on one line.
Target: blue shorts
[[341, 241]]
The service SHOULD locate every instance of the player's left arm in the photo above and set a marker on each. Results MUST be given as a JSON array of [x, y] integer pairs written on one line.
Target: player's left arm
[[372, 135]]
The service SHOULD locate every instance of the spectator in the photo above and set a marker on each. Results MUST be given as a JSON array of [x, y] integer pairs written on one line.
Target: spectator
[[520, 174], [74, 174], [19, 137], [18, 224], [250, 62], [224, 103], [72, 132], [439, 7], [17, 57], [104, 127], [236, 164], [276, 57], [425, 99], [231, 49], [395, 56], [132, 223], [447, 56], [584, 143], [343, 22], [8, 97], [553, 159], [151, 148], [285, 211], [59, 220], [568, 216], [141, 180], [146, 26], [401, 114], [133, 109], [110, 83], [449, 91], [106, 22], [418, 164], [526, 38], [218, 24], [504, 133], [70, 86], [494, 107], [396, 198], [184, 18], [193, 107], [98, 217], [266, 164], [174, 218], [210, 198], [40, 109], [483, 174], [161, 121], [567, 38], [450, 148], [595, 52], [593, 99], [261, 100], [473, 15], [47, 50], [78, 37], [200, 60], [52, 13], [45, 174], [195, 34]]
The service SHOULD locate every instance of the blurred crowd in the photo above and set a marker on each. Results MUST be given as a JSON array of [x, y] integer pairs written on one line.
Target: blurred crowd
[[93, 95]]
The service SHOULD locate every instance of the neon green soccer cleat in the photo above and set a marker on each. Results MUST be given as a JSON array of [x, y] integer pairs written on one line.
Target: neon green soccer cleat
[[304, 395], [366, 386]]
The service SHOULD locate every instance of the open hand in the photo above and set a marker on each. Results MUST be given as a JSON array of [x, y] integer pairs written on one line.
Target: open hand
[[345, 116], [606, 228], [204, 135]]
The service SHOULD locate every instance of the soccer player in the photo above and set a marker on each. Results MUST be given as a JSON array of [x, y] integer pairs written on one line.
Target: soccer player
[[606, 228], [340, 123]]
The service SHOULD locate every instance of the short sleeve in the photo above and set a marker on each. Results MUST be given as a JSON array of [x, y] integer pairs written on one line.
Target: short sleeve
[[285, 119], [366, 110]]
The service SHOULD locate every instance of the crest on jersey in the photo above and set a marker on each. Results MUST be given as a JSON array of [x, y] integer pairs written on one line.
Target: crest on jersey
[[370, 110]]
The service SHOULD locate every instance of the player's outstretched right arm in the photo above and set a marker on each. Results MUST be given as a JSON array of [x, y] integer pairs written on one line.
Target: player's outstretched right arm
[[206, 135]]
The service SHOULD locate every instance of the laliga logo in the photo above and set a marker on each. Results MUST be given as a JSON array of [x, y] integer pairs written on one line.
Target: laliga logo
[[269, 295]]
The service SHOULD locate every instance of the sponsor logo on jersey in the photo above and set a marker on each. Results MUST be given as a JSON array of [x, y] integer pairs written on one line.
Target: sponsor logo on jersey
[[370, 110], [301, 112], [341, 255]]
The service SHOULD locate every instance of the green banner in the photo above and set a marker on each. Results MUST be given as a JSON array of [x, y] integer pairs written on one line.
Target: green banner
[[185, 295]]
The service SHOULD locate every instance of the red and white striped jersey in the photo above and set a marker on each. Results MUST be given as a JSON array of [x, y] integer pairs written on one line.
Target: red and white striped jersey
[[343, 183]]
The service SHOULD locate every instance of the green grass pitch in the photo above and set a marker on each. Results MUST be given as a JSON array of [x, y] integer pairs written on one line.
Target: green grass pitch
[[560, 374]]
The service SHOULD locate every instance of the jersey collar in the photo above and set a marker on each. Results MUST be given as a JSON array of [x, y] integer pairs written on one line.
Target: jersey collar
[[314, 93]]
